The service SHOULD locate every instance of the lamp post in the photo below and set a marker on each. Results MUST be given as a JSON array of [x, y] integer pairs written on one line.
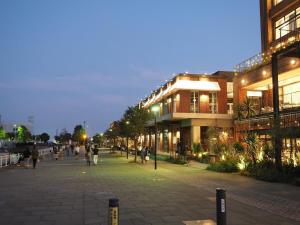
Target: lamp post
[[155, 109], [127, 123], [84, 136]]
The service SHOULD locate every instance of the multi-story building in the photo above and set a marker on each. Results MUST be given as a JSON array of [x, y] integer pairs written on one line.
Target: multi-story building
[[272, 79], [187, 106]]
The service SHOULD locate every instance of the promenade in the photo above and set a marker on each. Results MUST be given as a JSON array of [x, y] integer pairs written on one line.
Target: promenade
[[67, 192]]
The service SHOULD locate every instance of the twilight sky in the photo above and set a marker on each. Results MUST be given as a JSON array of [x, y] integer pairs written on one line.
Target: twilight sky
[[66, 61]]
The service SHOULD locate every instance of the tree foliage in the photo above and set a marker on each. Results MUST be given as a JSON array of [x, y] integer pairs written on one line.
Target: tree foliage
[[44, 137], [98, 139], [23, 134], [2, 133], [78, 133]]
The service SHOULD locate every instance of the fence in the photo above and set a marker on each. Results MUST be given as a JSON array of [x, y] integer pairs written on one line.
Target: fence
[[9, 159], [12, 159]]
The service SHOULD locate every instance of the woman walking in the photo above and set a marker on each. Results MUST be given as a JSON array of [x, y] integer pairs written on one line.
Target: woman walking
[[95, 154]]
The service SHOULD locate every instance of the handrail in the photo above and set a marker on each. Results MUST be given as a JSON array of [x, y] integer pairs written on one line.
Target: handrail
[[7, 159], [286, 39]]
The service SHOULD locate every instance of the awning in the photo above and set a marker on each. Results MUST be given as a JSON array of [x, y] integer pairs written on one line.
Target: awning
[[196, 85]]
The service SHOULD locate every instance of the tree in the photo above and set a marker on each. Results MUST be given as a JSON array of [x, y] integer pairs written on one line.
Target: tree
[[23, 134], [65, 137], [249, 110], [78, 133], [2, 133], [113, 133], [252, 146], [98, 139], [238, 112], [44, 137], [137, 119]]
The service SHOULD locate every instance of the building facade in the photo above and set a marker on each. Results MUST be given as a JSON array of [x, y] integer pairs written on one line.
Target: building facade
[[187, 106], [271, 79]]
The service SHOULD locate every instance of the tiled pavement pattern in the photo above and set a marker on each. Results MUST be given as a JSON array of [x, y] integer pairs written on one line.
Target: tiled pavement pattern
[[70, 193]]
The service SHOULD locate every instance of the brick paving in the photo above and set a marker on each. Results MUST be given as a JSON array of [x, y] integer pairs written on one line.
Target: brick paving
[[68, 192]]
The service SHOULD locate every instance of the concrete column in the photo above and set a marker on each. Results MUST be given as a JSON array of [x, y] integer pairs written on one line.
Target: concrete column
[[196, 134]]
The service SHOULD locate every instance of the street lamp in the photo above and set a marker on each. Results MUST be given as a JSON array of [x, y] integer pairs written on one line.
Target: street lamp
[[127, 123], [84, 136], [155, 109]]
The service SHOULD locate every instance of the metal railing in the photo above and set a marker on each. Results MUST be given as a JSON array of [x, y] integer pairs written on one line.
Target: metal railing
[[7, 159], [264, 122], [45, 151], [287, 36]]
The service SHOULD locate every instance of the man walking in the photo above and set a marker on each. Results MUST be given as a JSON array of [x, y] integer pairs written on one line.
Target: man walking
[[34, 155]]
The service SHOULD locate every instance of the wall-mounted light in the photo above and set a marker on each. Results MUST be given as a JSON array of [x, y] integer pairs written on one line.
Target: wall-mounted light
[[293, 62], [243, 81], [264, 73]]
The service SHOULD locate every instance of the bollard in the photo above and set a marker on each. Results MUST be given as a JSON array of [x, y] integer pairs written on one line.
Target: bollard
[[221, 206], [113, 214]]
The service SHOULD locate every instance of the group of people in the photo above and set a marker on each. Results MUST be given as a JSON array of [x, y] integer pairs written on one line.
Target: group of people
[[91, 150]]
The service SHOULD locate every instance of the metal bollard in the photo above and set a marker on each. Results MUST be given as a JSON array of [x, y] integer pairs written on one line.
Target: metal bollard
[[113, 214], [221, 206]]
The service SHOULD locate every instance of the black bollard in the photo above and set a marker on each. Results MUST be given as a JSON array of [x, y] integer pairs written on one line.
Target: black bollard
[[221, 206], [113, 214]]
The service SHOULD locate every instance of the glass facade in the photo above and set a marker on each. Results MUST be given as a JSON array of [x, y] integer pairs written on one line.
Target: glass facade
[[287, 23], [291, 95]]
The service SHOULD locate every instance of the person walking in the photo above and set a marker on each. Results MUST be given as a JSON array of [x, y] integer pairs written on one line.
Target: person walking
[[95, 154], [26, 155], [88, 155], [34, 155], [143, 151], [147, 154], [55, 152], [77, 150], [72, 149]]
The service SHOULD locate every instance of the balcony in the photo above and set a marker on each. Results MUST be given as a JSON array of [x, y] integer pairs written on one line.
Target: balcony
[[266, 121], [286, 34]]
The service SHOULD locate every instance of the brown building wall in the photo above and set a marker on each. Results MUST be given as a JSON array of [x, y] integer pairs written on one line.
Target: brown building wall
[[184, 105], [222, 96]]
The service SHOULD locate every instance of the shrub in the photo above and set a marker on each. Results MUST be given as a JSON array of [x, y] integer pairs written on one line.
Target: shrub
[[227, 166], [266, 170]]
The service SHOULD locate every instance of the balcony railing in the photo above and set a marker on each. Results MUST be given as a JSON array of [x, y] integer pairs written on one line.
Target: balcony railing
[[288, 33], [266, 122]]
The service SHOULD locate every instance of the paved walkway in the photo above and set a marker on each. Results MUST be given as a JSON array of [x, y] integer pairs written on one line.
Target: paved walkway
[[68, 192]]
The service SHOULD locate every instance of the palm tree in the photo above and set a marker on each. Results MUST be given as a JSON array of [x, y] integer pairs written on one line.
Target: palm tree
[[252, 145], [249, 109], [238, 112]]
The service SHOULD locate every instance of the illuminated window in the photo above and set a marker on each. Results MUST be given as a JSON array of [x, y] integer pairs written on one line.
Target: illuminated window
[[287, 23], [194, 103], [213, 106], [291, 95], [277, 1]]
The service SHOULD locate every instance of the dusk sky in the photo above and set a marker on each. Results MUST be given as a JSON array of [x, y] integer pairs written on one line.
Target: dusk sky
[[69, 61]]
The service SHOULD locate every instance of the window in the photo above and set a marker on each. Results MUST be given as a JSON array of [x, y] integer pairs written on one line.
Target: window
[[194, 103], [291, 95], [287, 24], [213, 106], [275, 2]]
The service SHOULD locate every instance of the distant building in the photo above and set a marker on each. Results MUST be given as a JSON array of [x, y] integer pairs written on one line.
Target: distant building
[[187, 106]]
